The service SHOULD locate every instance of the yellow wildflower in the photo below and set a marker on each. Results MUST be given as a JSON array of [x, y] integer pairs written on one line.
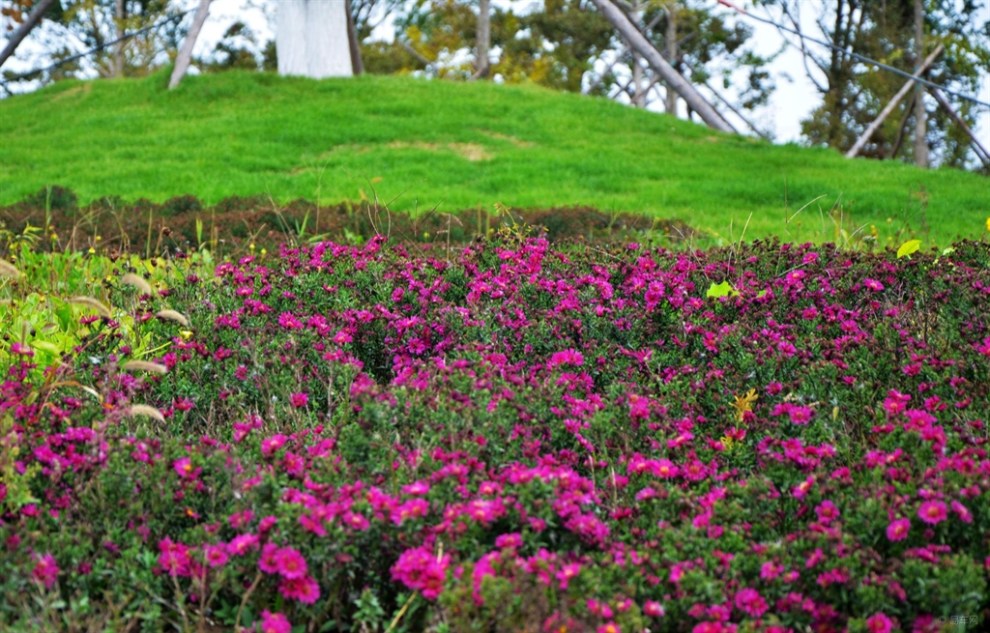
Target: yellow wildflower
[[744, 403]]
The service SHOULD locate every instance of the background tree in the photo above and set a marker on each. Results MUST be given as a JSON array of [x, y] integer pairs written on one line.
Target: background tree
[[853, 92], [712, 50], [153, 27]]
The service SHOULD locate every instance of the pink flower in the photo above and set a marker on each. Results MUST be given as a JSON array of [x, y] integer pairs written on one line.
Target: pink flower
[[566, 357], [420, 569], [873, 284], [816, 557], [304, 589], [750, 602], [299, 399], [291, 564], [215, 555], [653, 609], [895, 402], [242, 544], [21, 350], [268, 561], [898, 529], [964, 514], [770, 570], [271, 444], [416, 488], [932, 512], [173, 558], [46, 571], [411, 509], [566, 573], [274, 623], [183, 467], [799, 491], [509, 541], [827, 512], [879, 623]]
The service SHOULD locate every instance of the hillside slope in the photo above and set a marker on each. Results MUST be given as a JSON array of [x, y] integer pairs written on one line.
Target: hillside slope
[[419, 145]]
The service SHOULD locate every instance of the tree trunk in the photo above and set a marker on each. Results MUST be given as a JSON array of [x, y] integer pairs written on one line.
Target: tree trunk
[[481, 61], [671, 77], [34, 18], [670, 37], [185, 53], [872, 127], [920, 115], [357, 64], [311, 39], [120, 15]]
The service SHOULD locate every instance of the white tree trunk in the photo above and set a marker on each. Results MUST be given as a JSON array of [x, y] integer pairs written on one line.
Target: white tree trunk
[[312, 40], [185, 53], [920, 114]]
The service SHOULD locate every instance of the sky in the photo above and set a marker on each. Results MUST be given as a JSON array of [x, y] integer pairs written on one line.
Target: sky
[[793, 99]]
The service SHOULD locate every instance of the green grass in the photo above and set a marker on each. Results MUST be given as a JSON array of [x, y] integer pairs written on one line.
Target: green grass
[[418, 145]]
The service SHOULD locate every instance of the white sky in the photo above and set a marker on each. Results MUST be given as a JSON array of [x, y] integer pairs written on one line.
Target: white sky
[[792, 101]]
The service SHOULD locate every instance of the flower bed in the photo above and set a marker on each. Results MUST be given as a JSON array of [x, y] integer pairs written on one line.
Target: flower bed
[[519, 437]]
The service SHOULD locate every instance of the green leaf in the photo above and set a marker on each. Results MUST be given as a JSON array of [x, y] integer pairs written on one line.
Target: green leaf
[[908, 247], [723, 289]]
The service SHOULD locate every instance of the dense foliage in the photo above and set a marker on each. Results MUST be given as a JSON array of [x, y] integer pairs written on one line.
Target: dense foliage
[[513, 436]]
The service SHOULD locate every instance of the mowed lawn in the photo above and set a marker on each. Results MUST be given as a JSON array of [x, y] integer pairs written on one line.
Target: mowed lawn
[[417, 145]]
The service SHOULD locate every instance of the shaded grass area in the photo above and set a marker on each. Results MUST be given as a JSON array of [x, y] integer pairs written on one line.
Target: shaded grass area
[[415, 146]]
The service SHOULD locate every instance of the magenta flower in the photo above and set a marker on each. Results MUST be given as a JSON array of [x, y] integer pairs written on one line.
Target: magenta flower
[[173, 558], [933, 512], [898, 529], [268, 561], [750, 602], [215, 555], [304, 589], [421, 570], [19, 349], [274, 623], [653, 609], [827, 512], [416, 488], [299, 399], [290, 563], [509, 541], [879, 623], [271, 444], [412, 509], [183, 467], [895, 402], [46, 571], [566, 357], [873, 284], [964, 514], [566, 573], [242, 544]]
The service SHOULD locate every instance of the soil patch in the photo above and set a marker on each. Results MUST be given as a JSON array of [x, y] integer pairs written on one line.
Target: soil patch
[[183, 223]]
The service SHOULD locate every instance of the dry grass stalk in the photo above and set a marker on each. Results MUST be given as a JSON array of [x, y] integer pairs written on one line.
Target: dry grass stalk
[[8, 270], [144, 365], [138, 282], [95, 304], [146, 411], [172, 315]]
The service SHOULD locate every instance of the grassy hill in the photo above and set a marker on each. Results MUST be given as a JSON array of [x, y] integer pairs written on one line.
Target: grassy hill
[[420, 145]]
